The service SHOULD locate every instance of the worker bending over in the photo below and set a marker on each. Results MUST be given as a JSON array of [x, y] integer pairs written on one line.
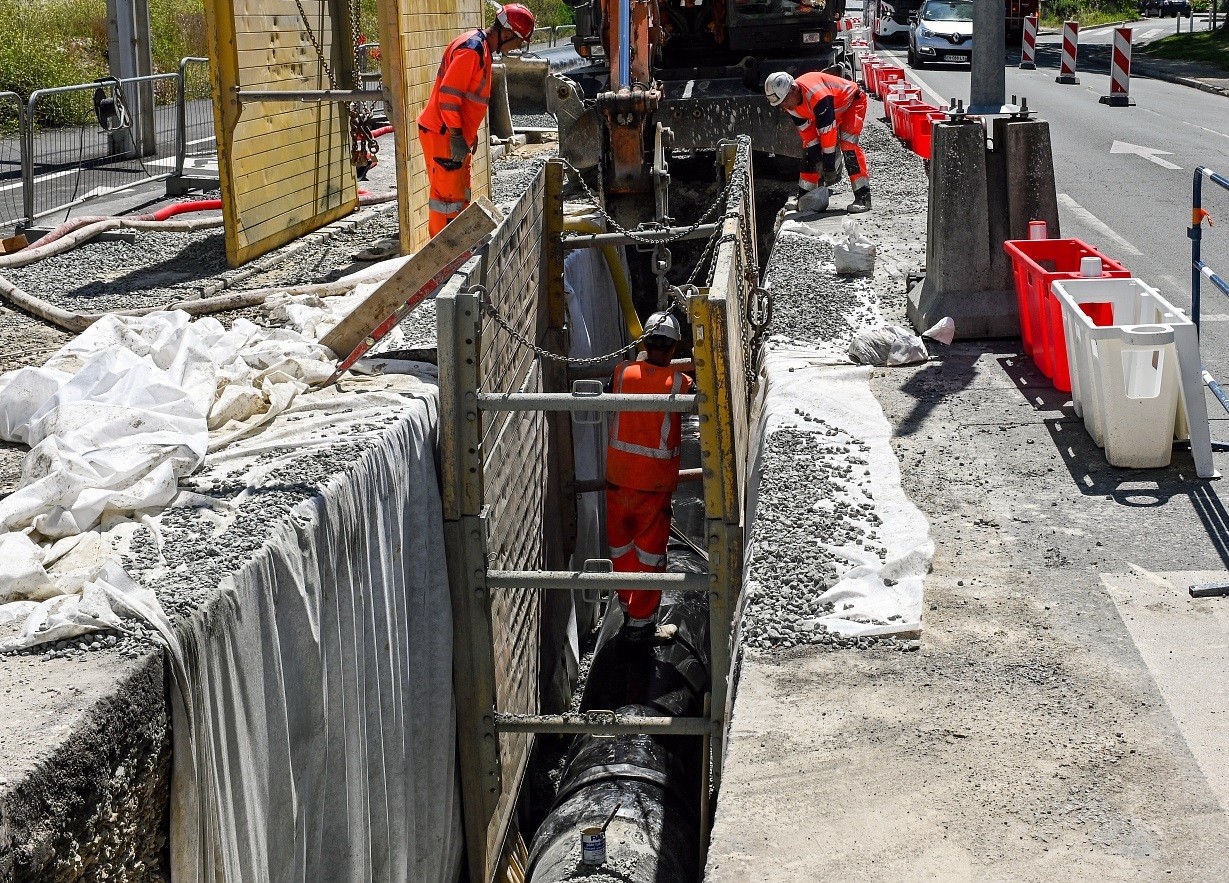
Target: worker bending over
[[448, 124], [829, 111], [642, 471]]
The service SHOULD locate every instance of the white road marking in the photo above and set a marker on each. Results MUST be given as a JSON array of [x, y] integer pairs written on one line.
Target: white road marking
[[40, 179], [925, 87], [1215, 317], [1151, 154], [1096, 223]]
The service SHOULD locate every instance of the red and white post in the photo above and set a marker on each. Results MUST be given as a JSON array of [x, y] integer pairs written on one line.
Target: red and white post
[[1120, 71], [1028, 47], [1071, 47]]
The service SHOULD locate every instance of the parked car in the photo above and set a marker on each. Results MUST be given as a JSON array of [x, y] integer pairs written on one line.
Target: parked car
[[1165, 8], [942, 32]]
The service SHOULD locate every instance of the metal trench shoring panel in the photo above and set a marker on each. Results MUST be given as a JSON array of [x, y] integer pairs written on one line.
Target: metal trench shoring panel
[[494, 489], [284, 166]]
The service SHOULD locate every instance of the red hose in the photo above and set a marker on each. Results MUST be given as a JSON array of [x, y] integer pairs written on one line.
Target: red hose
[[383, 130], [179, 208]]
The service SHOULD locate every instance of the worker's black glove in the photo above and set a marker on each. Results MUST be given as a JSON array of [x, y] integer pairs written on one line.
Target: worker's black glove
[[458, 147], [832, 176]]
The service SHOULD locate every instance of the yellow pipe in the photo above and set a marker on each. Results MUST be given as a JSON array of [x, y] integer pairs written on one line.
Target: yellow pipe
[[618, 272]]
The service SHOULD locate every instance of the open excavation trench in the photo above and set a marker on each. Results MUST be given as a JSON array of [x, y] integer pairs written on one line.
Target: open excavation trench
[[297, 559]]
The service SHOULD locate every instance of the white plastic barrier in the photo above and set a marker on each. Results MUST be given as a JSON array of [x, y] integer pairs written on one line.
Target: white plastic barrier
[[1135, 382]]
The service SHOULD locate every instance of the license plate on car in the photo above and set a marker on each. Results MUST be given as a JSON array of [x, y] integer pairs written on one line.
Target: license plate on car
[[953, 58]]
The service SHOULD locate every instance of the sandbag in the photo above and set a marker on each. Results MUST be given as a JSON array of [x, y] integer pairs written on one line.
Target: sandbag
[[853, 253], [887, 345]]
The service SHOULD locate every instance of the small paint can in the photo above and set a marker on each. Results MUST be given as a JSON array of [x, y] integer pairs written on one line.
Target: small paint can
[[592, 845], [1037, 230]]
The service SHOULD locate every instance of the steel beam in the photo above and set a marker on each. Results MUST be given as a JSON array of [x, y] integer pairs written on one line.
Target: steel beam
[[597, 240], [603, 725], [566, 401], [569, 580]]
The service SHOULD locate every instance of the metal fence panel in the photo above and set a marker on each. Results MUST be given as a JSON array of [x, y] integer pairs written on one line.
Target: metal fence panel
[[12, 117], [199, 138], [71, 158]]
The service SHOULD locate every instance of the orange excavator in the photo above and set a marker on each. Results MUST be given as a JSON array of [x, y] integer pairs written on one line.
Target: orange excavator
[[682, 75]]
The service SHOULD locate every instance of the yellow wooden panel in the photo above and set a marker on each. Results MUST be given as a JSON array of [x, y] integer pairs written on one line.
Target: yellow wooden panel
[[413, 36], [284, 167]]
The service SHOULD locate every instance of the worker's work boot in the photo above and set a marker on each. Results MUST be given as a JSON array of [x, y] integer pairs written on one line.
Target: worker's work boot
[[861, 201]]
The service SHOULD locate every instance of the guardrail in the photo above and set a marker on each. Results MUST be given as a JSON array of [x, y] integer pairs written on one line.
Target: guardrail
[[12, 169], [1201, 271], [552, 35]]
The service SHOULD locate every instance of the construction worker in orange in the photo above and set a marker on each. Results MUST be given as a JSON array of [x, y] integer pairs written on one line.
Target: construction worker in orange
[[448, 124], [829, 111], [642, 470]]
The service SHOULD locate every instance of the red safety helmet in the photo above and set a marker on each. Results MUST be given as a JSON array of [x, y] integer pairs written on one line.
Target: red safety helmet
[[517, 18]]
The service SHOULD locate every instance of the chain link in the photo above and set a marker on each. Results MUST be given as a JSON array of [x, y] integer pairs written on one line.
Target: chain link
[[667, 240], [311, 35], [484, 301]]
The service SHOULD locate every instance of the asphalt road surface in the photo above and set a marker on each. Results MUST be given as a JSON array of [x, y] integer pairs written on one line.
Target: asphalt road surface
[[1123, 174]]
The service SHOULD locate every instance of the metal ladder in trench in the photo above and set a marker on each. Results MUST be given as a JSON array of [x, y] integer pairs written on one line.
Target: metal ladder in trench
[[489, 787]]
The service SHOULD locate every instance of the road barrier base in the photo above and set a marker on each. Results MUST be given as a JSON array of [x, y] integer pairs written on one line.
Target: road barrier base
[[1117, 100], [1068, 81], [1027, 66]]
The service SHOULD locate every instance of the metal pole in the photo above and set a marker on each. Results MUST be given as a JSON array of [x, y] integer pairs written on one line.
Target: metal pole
[[1196, 234], [566, 401], [625, 44], [988, 78], [181, 118], [565, 580], [27, 160], [611, 725], [344, 96], [597, 240]]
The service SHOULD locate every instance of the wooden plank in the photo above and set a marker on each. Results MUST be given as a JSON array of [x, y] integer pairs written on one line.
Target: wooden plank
[[465, 232]]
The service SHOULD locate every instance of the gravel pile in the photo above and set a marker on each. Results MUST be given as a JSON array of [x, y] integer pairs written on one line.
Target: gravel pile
[[533, 121], [898, 175], [160, 268], [512, 175], [801, 536], [809, 301]]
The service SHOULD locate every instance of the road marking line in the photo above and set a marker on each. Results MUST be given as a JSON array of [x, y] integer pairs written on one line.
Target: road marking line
[[925, 87], [1215, 317], [1097, 224]]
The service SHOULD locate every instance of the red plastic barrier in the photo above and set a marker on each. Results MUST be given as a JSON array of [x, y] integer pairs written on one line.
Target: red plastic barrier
[[887, 75], [913, 117], [900, 116], [1036, 264], [923, 133], [896, 100]]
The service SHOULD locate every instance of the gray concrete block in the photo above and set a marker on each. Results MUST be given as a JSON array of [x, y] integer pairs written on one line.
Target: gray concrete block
[[1030, 176], [964, 279]]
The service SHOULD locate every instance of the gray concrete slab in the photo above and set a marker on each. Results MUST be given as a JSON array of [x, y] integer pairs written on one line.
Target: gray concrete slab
[[1035, 734]]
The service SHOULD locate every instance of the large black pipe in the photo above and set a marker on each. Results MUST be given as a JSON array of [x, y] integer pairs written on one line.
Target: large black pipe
[[654, 836]]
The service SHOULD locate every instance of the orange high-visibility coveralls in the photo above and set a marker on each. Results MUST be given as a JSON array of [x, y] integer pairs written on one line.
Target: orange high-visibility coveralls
[[642, 471], [831, 114], [458, 101]]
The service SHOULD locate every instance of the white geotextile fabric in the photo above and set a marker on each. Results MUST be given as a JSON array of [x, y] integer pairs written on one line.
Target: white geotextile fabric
[[823, 385], [114, 419], [313, 710], [317, 739]]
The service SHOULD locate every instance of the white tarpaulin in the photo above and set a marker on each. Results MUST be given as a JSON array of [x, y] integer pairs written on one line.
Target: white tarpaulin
[[314, 727], [873, 596]]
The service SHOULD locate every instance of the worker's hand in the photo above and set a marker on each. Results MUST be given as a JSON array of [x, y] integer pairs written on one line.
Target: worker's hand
[[832, 176], [458, 147]]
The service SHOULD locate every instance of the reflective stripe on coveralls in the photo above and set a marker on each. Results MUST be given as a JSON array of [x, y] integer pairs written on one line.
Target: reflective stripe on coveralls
[[831, 115]]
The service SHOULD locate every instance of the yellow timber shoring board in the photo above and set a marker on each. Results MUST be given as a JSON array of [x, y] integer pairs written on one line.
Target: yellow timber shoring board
[[413, 37], [284, 167]]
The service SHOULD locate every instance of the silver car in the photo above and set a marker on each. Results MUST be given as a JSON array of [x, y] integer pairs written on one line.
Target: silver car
[[942, 32]]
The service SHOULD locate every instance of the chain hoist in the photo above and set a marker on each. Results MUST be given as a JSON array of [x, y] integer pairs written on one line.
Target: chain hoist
[[363, 145]]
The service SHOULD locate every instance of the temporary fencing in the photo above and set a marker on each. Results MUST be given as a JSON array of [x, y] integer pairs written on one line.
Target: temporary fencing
[[1071, 47], [98, 138], [12, 173], [1028, 45], [1120, 71]]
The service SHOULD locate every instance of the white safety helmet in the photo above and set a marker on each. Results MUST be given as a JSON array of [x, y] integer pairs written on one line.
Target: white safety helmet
[[663, 324], [777, 87]]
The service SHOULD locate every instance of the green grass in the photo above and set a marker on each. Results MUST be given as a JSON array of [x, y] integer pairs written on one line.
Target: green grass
[[1207, 47], [1089, 13]]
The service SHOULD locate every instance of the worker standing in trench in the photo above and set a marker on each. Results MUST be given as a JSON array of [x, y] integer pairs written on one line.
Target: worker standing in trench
[[829, 111], [448, 124], [643, 454]]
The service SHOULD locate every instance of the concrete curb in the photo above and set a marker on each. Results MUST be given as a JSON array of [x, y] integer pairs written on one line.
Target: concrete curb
[[1143, 70]]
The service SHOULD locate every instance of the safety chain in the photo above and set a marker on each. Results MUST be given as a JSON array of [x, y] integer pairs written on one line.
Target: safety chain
[[644, 240], [484, 301], [311, 35]]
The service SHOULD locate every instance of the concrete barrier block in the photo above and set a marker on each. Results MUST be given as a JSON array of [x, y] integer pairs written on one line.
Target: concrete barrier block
[[962, 280], [1030, 176]]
